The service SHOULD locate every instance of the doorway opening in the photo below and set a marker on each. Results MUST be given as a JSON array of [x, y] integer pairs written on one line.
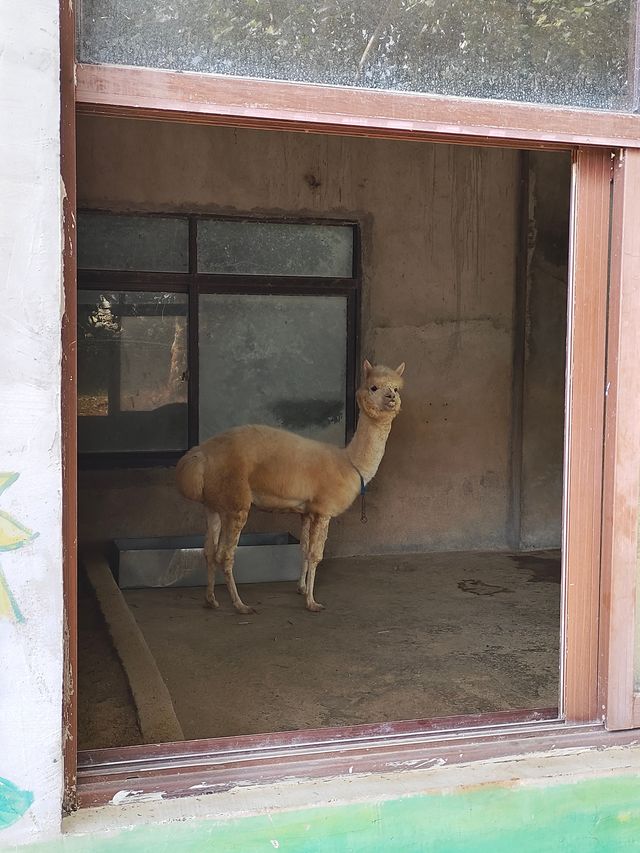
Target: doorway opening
[[263, 267]]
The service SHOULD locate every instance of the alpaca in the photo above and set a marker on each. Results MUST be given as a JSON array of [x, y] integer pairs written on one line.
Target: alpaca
[[278, 471]]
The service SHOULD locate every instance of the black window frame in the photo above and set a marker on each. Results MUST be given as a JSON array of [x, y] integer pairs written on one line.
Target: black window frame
[[194, 283]]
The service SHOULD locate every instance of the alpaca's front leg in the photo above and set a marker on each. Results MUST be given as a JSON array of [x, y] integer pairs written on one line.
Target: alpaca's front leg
[[210, 547], [304, 547], [232, 524], [317, 539]]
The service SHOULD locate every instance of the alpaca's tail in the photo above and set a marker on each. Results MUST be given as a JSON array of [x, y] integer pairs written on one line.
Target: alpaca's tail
[[190, 475]]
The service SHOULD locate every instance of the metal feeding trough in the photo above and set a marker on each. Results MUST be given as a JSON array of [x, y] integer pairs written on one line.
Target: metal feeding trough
[[179, 560]]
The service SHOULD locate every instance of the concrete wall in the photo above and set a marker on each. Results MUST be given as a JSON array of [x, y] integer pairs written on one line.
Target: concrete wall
[[31, 616], [439, 227]]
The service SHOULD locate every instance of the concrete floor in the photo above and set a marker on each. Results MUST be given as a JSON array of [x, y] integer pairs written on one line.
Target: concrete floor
[[403, 637]]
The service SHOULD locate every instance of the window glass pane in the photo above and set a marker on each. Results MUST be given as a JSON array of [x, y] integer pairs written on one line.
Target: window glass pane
[[145, 243], [277, 360], [132, 362], [573, 52], [274, 248]]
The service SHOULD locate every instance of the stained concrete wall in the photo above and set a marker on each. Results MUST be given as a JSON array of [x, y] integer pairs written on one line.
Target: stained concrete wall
[[439, 244]]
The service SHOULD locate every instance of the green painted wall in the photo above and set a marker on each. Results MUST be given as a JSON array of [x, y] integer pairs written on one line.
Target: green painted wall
[[597, 815]]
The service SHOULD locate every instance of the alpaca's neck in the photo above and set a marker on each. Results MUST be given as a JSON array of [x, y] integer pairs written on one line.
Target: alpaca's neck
[[366, 448]]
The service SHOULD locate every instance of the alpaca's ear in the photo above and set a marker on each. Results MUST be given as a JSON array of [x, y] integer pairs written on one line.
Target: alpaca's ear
[[400, 370], [367, 368]]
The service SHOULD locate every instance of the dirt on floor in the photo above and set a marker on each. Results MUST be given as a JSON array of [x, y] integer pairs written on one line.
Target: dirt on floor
[[403, 637], [106, 713]]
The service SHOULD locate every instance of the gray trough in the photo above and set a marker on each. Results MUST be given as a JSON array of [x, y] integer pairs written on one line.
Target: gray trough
[[179, 560]]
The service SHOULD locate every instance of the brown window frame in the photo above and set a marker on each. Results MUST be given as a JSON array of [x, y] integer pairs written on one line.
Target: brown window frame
[[591, 136], [194, 283], [621, 503]]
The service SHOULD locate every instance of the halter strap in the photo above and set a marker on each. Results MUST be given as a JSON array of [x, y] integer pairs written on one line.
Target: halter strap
[[363, 493]]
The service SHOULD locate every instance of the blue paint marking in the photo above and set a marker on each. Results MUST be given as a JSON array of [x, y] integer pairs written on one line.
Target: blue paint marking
[[13, 802]]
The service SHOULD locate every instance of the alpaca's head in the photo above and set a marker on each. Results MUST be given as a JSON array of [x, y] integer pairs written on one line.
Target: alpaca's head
[[379, 392]]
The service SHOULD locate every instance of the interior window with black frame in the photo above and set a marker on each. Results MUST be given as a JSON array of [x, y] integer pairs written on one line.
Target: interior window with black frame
[[190, 325]]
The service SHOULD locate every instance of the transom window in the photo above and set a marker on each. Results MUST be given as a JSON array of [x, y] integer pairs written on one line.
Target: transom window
[[542, 51], [190, 325]]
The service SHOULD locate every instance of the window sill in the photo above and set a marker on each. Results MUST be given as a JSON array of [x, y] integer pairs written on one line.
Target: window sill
[[557, 755], [165, 771]]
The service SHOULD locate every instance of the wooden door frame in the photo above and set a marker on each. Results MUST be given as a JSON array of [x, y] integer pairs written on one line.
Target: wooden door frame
[[584, 431], [150, 94], [69, 404], [619, 699]]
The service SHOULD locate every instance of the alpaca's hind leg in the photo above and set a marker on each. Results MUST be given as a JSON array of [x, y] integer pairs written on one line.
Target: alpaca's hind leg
[[210, 547], [317, 539], [232, 524], [304, 547]]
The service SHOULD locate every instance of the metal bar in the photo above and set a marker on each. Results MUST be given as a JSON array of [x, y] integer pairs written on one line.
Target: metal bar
[[354, 319], [242, 102], [147, 282], [281, 288], [128, 459], [179, 282], [352, 355], [193, 347], [279, 219], [231, 216], [269, 282]]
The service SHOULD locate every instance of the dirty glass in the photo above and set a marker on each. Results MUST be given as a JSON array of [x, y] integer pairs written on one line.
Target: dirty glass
[[132, 379], [274, 248], [120, 242], [574, 52], [276, 360]]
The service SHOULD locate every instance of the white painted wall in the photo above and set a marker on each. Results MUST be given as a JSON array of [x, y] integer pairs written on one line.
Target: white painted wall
[[31, 650]]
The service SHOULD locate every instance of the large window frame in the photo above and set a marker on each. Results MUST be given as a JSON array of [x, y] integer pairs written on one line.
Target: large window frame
[[590, 636], [194, 283]]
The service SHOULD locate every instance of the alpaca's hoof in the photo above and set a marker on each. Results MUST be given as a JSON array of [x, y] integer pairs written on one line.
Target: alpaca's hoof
[[314, 607], [211, 603], [244, 609], [301, 590]]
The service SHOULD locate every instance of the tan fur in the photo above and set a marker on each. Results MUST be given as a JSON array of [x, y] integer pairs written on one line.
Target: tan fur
[[279, 471]]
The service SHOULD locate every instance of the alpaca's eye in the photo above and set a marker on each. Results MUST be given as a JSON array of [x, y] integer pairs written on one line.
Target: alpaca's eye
[[396, 390], [374, 388]]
